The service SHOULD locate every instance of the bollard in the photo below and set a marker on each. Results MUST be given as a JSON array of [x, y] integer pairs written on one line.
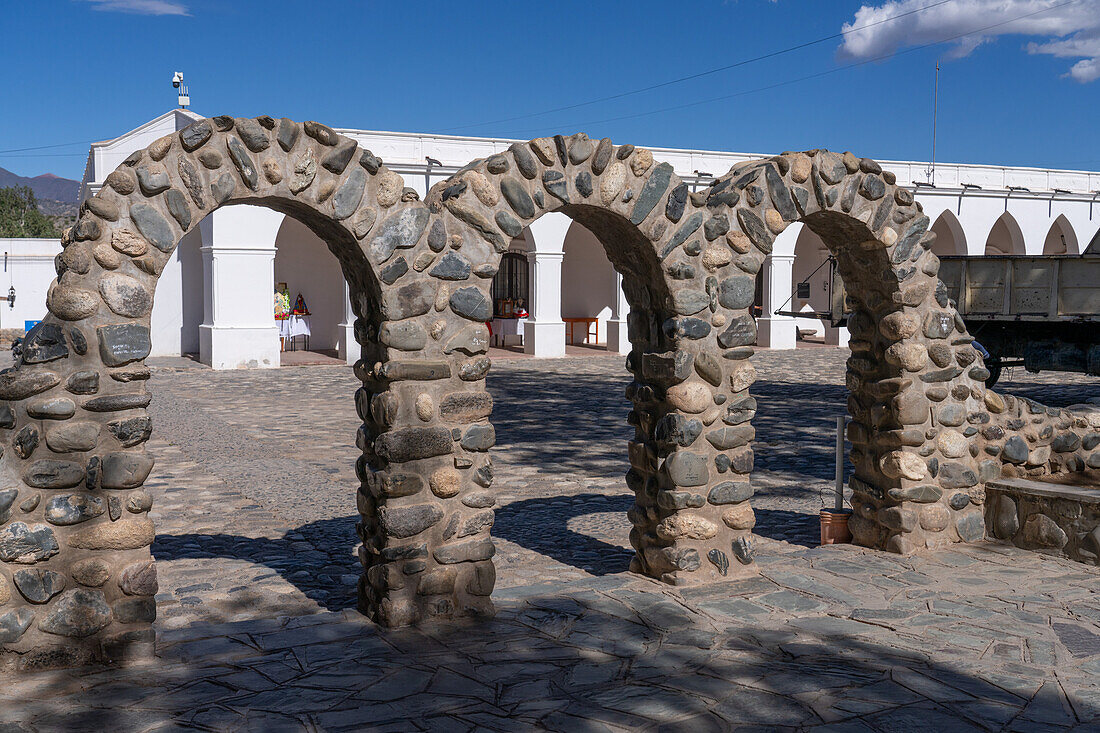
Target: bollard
[[834, 522]]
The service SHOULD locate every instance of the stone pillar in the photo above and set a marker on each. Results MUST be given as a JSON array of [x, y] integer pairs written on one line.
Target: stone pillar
[[544, 332], [618, 342], [777, 332], [426, 473], [349, 348], [691, 454], [238, 329]]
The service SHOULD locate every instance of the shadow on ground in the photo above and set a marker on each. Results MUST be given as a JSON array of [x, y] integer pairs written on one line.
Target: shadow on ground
[[541, 526], [327, 576], [573, 420], [539, 421], [584, 659]]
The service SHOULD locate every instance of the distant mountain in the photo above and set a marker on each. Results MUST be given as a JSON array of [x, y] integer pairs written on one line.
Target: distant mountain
[[57, 197], [45, 186]]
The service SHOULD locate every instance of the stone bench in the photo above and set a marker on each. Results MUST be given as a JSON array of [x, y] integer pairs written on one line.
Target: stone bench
[[1054, 518]]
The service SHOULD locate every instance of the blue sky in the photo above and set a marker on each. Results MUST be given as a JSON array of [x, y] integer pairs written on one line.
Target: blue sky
[[83, 70]]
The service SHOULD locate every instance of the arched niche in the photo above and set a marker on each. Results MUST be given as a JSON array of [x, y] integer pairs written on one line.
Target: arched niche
[[1061, 239], [309, 269], [950, 238], [1005, 237], [74, 404]]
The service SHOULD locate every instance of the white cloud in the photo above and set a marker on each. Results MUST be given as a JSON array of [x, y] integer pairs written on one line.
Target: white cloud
[[140, 7], [1071, 29]]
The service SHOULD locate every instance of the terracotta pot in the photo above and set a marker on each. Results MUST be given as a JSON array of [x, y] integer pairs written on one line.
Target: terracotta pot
[[834, 526]]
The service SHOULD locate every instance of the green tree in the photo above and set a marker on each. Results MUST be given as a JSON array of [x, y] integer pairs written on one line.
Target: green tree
[[20, 217]]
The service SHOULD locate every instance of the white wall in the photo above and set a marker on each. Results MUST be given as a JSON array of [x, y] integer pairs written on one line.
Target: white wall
[[177, 303], [28, 265], [304, 263], [587, 280]]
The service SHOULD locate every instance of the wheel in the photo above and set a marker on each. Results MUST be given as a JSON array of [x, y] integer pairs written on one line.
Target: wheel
[[994, 367]]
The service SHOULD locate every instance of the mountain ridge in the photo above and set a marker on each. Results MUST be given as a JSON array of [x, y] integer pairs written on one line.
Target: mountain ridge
[[57, 197], [46, 186]]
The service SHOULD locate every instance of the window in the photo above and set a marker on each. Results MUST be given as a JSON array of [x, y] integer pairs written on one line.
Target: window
[[510, 285]]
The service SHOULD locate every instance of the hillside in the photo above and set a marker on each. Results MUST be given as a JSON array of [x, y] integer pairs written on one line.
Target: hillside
[[46, 186], [57, 197]]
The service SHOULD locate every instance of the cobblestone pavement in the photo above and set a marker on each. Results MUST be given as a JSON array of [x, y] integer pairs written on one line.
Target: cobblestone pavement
[[257, 627]]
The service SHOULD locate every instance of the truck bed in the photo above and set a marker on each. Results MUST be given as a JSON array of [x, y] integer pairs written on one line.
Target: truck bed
[[1049, 288]]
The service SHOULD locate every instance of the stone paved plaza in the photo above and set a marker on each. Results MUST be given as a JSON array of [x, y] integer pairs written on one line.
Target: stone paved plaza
[[258, 630]]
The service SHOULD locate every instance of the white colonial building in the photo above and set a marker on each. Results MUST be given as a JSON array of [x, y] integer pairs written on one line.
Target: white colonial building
[[215, 297], [28, 270]]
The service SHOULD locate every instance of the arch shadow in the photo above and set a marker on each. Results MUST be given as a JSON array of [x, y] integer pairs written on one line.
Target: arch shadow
[[540, 525], [319, 584]]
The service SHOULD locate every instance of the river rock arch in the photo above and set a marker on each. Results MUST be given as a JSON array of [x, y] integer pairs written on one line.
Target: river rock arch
[[76, 576]]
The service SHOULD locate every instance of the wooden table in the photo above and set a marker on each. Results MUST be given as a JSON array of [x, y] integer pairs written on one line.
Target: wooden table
[[588, 324]]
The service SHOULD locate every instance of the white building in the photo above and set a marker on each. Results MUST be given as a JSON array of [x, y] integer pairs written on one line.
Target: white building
[[215, 296], [28, 268]]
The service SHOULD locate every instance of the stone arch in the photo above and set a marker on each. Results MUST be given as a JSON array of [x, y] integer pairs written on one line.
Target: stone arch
[[690, 280], [76, 534], [612, 191], [1005, 237], [74, 516], [1061, 239], [950, 237]]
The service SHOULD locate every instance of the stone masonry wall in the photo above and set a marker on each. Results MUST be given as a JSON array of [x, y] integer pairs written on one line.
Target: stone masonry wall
[[1048, 518], [76, 577]]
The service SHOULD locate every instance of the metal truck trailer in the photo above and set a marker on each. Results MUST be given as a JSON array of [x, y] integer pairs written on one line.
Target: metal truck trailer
[[1039, 312]]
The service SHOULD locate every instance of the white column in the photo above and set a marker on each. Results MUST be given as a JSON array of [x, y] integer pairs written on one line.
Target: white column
[[777, 332], [349, 348], [544, 332], [618, 342], [238, 329]]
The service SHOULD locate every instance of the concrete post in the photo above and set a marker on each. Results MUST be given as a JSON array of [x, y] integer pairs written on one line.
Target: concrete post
[[617, 340], [777, 332], [544, 332], [238, 329], [349, 349]]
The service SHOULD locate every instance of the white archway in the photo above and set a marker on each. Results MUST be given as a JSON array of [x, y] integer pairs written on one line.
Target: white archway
[[1005, 237], [1061, 239], [303, 262], [810, 252], [950, 238], [589, 286]]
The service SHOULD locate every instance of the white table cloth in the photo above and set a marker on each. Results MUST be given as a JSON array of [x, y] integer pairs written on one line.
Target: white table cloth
[[294, 326], [505, 327]]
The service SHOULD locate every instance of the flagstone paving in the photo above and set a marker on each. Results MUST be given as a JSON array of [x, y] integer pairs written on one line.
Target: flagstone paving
[[258, 631]]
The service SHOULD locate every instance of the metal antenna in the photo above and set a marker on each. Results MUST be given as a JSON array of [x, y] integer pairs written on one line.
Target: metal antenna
[[184, 96], [935, 114]]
